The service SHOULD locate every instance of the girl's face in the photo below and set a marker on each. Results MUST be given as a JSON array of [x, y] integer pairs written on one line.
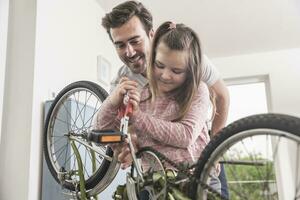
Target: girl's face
[[170, 69]]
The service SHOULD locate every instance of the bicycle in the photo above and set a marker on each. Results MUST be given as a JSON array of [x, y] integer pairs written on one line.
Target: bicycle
[[70, 120]]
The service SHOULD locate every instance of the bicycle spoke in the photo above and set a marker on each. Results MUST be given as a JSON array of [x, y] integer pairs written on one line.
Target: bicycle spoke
[[77, 115], [70, 115], [84, 166], [89, 153], [85, 105], [66, 155], [57, 140], [94, 112], [69, 158], [61, 150], [63, 121]]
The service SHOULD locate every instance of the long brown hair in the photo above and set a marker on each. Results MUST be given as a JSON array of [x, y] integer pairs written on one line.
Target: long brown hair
[[181, 38]]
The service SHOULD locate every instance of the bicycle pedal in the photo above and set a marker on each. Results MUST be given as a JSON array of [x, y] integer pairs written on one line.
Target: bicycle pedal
[[106, 136]]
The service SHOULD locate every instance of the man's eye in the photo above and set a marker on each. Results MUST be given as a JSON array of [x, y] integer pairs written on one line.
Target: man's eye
[[119, 46], [134, 42]]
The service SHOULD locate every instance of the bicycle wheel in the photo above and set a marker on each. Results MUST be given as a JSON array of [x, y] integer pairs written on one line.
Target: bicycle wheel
[[261, 155], [71, 116]]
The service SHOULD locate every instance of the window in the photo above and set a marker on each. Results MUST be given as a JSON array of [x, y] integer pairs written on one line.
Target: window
[[248, 96]]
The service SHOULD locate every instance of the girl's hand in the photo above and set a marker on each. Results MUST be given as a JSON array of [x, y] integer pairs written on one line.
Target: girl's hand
[[125, 85]]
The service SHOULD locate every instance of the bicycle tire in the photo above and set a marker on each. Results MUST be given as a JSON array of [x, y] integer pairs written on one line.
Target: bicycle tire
[[97, 94], [281, 128]]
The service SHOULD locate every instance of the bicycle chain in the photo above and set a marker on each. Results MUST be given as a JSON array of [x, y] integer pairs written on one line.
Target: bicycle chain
[[182, 169]]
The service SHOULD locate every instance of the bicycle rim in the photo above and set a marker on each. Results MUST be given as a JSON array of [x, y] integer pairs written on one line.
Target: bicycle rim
[[73, 114], [261, 155]]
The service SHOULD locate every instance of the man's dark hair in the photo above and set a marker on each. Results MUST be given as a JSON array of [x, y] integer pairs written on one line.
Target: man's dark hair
[[123, 12]]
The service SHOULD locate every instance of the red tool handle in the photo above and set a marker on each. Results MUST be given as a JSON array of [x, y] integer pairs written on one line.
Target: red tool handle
[[129, 109], [125, 110]]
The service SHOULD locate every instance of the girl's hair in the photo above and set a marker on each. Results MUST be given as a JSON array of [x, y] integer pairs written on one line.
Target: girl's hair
[[180, 38]]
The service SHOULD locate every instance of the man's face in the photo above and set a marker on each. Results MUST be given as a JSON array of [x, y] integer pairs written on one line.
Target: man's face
[[132, 44]]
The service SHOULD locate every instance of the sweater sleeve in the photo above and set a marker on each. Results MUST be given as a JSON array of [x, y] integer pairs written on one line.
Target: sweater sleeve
[[107, 116], [182, 133]]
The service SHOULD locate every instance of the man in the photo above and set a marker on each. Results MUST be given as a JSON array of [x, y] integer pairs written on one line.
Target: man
[[130, 27]]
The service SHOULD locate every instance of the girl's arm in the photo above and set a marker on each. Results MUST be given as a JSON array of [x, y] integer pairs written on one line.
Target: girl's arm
[[182, 133], [107, 117]]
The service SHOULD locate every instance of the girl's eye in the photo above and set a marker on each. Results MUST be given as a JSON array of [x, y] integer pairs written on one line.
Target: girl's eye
[[177, 72]]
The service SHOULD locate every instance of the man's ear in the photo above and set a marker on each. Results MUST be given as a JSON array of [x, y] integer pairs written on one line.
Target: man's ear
[[151, 34]]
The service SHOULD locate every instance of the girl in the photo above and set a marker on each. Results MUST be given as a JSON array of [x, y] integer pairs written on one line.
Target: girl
[[170, 113]]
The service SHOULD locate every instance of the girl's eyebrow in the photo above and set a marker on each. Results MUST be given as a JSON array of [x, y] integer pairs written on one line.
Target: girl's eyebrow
[[173, 68], [182, 69]]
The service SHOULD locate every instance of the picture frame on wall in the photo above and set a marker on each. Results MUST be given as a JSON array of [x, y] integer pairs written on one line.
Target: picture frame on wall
[[103, 70]]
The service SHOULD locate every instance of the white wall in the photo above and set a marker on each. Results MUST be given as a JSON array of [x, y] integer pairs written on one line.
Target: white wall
[[68, 39], [51, 44], [283, 68]]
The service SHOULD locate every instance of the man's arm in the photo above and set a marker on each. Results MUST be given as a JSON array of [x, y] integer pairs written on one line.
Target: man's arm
[[222, 106]]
